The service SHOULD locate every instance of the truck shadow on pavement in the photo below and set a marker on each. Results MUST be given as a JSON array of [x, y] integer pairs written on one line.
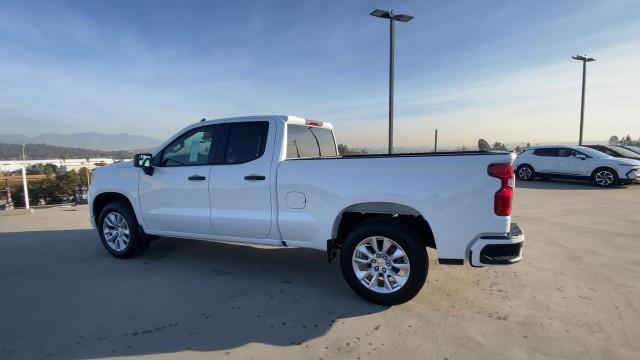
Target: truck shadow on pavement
[[65, 297]]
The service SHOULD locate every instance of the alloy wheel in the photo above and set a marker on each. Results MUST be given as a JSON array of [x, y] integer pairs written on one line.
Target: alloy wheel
[[380, 264], [116, 231], [525, 173], [604, 178]]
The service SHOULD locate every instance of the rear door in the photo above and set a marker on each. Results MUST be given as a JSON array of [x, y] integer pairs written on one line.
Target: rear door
[[176, 197], [546, 160], [240, 187]]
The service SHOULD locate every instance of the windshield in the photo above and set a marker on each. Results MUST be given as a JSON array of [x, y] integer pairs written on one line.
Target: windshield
[[624, 152], [593, 153]]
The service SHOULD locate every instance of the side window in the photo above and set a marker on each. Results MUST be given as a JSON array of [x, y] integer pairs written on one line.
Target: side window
[[246, 141], [307, 141], [564, 152], [546, 152], [192, 148], [576, 153]]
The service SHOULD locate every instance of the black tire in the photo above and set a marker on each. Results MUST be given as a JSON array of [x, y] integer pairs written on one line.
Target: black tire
[[605, 177], [137, 243], [525, 172], [403, 236]]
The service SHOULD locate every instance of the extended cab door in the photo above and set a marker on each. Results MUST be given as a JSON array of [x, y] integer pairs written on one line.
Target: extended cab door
[[240, 187], [175, 198]]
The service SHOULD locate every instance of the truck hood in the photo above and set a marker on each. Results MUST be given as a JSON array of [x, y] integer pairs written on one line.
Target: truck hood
[[115, 166], [122, 164]]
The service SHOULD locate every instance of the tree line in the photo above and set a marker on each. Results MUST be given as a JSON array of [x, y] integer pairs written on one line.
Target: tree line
[[56, 188]]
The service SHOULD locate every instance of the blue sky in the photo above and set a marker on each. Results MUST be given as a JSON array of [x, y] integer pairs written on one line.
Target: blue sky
[[494, 69]]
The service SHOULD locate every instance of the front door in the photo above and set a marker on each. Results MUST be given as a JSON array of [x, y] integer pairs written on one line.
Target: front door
[[241, 181], [176, 197]]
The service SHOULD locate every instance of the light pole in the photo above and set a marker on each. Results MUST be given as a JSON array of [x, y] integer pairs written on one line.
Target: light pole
[[24, 179], [435, 143], [389, 14], [584, 60]]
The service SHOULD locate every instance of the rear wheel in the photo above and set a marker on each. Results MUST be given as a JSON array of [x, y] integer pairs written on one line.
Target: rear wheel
[[605, 177], [384, 262], [119, 231], [525, 172]]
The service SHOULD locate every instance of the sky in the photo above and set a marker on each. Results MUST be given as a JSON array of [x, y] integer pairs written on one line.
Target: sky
[[499, 70]]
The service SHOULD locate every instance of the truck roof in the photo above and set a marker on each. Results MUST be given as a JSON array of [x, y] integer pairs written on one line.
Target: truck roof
[[289, 119]]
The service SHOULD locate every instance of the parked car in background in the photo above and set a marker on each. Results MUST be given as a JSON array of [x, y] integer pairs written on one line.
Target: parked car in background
[[635, 149], [279, 181], [575, 162], [615, 151]]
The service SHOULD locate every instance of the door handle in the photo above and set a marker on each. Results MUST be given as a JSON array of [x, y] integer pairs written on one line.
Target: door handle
[[197, 178], [254, 177]]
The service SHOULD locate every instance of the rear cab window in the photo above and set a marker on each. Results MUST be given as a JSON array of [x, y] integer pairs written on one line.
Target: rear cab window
[[309, 141]]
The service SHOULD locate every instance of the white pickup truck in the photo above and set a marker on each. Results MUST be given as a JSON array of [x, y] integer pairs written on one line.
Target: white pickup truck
[[279, 180]]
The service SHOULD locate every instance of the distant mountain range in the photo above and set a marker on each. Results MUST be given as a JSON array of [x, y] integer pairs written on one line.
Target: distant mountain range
[[86, 140]]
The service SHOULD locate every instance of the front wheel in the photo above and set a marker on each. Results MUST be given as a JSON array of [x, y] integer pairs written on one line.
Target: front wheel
[[605, 177], [119, 231], [384, 262]]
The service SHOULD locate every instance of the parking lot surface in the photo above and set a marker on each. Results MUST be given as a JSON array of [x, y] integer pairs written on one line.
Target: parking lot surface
[[574, 296]]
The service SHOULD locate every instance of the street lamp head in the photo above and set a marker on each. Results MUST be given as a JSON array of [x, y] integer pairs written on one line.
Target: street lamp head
[[402, 17], [381, 13], [583, 58], [388, 14]]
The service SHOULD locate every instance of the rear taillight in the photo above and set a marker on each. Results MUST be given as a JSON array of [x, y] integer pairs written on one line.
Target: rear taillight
[[503, 197]]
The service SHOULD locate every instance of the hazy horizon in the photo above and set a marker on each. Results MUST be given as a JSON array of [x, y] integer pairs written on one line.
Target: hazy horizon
[[499, 70]]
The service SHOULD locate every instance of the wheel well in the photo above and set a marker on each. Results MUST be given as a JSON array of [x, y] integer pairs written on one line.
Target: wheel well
[[356, 214], [103, 199]]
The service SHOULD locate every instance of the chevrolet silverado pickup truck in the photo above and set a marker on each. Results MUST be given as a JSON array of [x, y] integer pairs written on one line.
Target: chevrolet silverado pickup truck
[[280, 181]]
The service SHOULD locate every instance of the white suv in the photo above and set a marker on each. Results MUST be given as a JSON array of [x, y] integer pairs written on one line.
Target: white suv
[[576, 162]]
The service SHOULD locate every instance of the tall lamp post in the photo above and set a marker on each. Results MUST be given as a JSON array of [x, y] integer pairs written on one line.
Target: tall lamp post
[[389, 14], [584, 60]]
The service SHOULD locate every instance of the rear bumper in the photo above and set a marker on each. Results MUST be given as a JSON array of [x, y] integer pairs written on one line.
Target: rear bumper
[[498, 250]]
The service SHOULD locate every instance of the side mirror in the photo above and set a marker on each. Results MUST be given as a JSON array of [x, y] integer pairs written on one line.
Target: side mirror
[[144, 161], [581, 157]]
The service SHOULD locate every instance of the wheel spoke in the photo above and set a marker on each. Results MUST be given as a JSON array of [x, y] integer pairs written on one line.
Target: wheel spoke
[[109, 234], [397, 254], [387, 284], [399, 279], [361, 275], [400, 266], [386, 244], [374, 281], [364, 251]]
